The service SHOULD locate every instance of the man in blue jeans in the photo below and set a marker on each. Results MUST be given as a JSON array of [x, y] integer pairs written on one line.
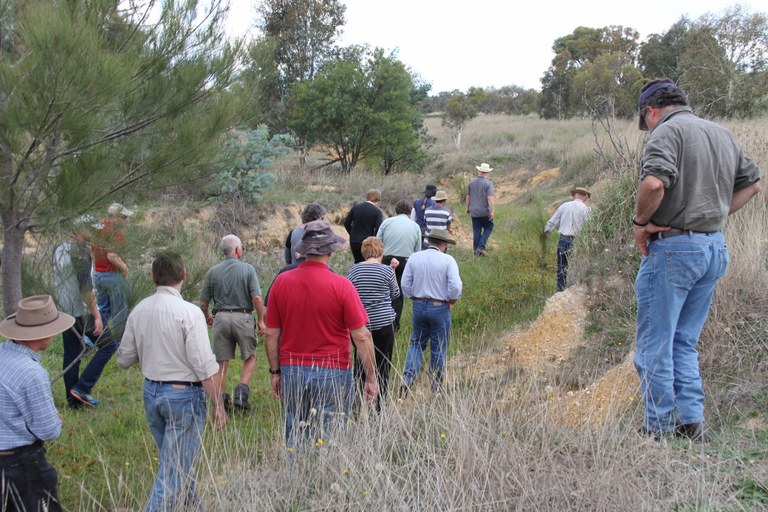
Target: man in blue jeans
[[73, 289], [168, 337], [111, 271], [480, 208], [693, 175], [431, 280]]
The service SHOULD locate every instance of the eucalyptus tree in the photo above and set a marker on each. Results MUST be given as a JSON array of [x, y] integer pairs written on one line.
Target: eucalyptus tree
[[102, 96], [362, 105]]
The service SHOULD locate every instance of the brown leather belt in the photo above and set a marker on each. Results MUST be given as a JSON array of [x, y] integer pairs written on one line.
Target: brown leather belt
[[679, 232], [22, 449]]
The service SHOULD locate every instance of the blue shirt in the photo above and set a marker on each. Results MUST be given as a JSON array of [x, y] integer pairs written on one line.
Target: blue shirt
[[27, 412], [400, 235], [431, 274]]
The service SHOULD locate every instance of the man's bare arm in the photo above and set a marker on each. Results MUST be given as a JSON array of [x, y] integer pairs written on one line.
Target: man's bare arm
[[363, 341]]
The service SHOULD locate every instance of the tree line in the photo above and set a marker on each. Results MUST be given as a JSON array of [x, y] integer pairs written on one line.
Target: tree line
[[106, 98]]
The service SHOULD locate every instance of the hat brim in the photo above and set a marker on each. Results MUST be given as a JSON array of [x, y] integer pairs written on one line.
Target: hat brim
[[580, 191], [450, 241], [13, 331], [489, 169], [304, 248]]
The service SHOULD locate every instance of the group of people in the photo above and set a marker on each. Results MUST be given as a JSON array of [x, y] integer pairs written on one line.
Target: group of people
[[687, 190]]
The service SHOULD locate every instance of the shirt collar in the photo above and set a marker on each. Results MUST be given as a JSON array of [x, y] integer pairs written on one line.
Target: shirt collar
[[169, 290], [20, 348]]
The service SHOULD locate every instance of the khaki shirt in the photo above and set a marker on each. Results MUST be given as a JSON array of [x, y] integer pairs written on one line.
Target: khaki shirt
[[168, 337]]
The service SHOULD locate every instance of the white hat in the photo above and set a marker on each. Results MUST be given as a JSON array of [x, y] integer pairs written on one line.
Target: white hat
[[118, 209], [484, 167]]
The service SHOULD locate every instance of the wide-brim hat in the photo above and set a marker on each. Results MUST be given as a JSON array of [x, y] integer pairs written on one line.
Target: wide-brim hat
[[484, 167], [319, 239], [580, 190], [430, 190], [118, 209], [36, 318], [440, 196], [442, 235]]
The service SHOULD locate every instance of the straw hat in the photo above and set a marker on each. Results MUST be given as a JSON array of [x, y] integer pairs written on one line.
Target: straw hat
[[484, 167], [36, 318], [580, 190], [440, 196]]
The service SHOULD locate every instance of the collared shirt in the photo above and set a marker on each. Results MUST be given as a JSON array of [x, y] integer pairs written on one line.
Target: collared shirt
[[431, 274], [315, 309], [168, 336], [72, 277], [27, 412], [232, 284], [401, 236], [569, 217], [701, 166], [479, 190]]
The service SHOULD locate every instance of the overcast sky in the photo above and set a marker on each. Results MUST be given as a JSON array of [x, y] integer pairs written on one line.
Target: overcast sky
[[456, 44]]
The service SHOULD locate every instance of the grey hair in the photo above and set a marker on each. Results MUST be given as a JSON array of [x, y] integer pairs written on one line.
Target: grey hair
[[229, 243], [312, 211]]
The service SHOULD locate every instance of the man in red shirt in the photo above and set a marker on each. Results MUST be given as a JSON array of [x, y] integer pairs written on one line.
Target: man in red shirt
[[110, 273], [311, 315]]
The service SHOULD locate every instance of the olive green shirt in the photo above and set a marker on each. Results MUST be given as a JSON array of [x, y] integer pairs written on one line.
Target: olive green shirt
[[232, 284]]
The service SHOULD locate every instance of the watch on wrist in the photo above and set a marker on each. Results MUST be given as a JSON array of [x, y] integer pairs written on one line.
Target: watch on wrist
[[634, 221], [274, 372]]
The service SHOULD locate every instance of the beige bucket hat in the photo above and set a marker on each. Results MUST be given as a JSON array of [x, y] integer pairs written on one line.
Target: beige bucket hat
[[36, 318]]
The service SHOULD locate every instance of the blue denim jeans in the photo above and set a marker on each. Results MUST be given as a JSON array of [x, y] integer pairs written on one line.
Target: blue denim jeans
[[85, 381], [316, 401], [482, 227], [176, 418], [430, 323], [112, 296], [674, 289], [563, 251]]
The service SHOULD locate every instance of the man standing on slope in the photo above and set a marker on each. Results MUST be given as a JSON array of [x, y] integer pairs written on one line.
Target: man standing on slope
[[568, 219], [480, 208], [362, 221], [693, 175], [234, 288]]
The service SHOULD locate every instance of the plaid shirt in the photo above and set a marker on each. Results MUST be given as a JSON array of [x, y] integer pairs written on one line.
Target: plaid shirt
[[27, 413]]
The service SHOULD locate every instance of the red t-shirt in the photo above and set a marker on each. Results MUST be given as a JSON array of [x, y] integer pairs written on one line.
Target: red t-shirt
[[108, 239], [315, 310]]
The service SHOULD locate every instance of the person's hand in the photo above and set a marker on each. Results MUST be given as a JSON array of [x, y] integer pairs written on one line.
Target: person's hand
[[261, 328], [467, 211], [643, 234], [394, 263], [219, 416], [543, 236], [371, 390], [209, 319], [277, 389], [490, 216], [98, 326]]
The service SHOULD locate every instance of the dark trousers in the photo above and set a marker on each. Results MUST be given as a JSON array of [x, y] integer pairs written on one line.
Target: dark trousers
[[383, 344], [563, 251], [397, 304], [105, 345], [357, 251], [28, 483]]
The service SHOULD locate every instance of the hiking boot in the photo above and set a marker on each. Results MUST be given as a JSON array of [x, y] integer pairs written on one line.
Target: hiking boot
[[227, 401], [657, 435], [242, 392], [84, 398], [694, 431]]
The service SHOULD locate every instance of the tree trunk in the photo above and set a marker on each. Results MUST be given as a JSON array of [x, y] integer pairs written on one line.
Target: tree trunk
[[302, 154], [10, 268]]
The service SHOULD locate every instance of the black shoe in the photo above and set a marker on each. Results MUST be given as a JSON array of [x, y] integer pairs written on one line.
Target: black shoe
[[402, 393], [227, 400], [657, 435], [693, 431], [242, 391]]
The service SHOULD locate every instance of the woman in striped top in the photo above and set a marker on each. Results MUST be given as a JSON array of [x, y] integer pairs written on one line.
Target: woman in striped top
[[376, 285]]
